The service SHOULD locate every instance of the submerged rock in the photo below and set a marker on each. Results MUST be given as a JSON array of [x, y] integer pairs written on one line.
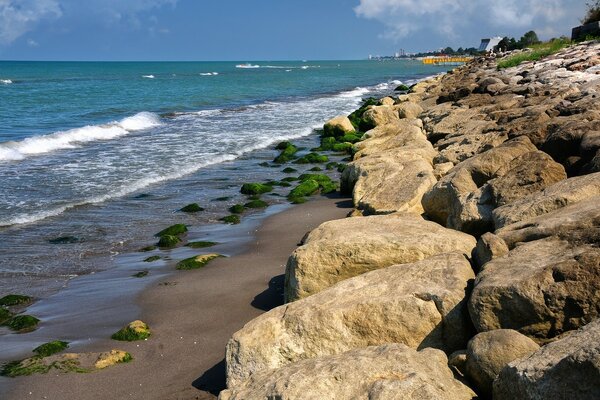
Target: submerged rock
[[192, 208], [255, 188], [197, 261]]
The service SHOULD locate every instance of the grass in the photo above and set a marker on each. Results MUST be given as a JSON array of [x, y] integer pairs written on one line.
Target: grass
[[536, 53]]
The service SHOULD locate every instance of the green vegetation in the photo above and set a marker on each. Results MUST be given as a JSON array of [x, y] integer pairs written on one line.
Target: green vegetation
[[50, 348], [5, 315], [305, 188], [231, 219], [349, 139], [402, 88], [152, 259], [141, 274], [136, 330], [289, 179], [168, 241], [331, 166], [256, 204], [26, 367], [537, 52], [173, 230], [236, 209], [197, 261], [287, 152], [147, 248], [255, 188], [15, 300], [316, 169], [343, 147], [201, 245], [289, 170], [325, 183], [22, 323], [356, 118], [593, 12], [312, 158], [224, 198], [192, 208]]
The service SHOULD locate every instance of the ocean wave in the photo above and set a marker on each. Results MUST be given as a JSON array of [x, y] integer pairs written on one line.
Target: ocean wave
[[247, 66], [14, 151], [148, 76], [209, 73], [357, 92], [6, 81]]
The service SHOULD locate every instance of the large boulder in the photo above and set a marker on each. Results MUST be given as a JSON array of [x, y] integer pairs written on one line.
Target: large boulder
[[338, 126], [380, 115], [566, 369], [390, 136], [460, 147], [387, 372], [390, 181], [345, 248], [552, 198], [408, 109], [489, 352], [421, 304], [541, 289]]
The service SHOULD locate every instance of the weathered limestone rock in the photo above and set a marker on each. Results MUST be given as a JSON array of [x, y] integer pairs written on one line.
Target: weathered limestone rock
[[345, 248], [458, 148], [443, 120], [338, 126], [420, 304], [388, 372], [566, 369], [380, 115], [389, 181], [489, 246], [408, 110], [391, 136], [489, 352], [541, 288], [387, 101], [554, 197], [460, 200]]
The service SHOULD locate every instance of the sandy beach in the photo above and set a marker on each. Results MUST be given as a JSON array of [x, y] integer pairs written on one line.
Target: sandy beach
[[192, 315]]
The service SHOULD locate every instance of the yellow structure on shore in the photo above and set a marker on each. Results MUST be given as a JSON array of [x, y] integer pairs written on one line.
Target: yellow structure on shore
[[446, 60]]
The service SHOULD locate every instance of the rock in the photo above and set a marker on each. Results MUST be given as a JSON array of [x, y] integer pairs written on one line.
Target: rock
[[386, 101], [389, 181], [458, 361], [338, 126], [391, 371], [408, 110], [197, 262], [420, 304], [136, 330], [255, 188], [565, 369], [173, 230], [541, 289], [458, 148], [392, 136], [380, 115], [192, 208], [489, 246], [552, 198], [489, 352], [110, 358], [461, 199], [341, 249]]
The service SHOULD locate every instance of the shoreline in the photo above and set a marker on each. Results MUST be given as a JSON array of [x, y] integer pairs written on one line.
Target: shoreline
[[192, 344]]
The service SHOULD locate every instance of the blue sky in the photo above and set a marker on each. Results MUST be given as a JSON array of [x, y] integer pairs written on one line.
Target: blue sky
[[265, 29]]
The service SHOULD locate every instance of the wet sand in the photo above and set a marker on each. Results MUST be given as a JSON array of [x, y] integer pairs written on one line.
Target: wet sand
[[192, 314]]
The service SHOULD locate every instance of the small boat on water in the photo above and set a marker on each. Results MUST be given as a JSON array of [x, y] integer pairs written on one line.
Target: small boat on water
[[247, 65]]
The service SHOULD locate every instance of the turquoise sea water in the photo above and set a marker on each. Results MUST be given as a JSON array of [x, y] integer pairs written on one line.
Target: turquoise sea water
[[106, 151]]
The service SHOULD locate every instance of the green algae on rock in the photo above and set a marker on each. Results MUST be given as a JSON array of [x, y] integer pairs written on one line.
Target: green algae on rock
[[141, 274], [236, 209], [50, 348], [287, 153], [256, 204], [147, 248], [324, 181], [305, 188], [255, 188], [136, 330], [197, 261], [22, 323], [168, 241], [173, 230], [289, 170], [152, 259], [15, 300], [5, 315], [312, 158], [192, 208], [201, 245], [231, 219]]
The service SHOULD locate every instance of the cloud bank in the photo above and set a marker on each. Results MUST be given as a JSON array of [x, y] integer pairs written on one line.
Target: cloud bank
[[457, 18], [18, 17]]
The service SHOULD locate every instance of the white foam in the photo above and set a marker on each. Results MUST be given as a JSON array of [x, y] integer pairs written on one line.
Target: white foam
[[247, 66], [209, 73], [359, 91], [148, 76], [13, 151], [6, 81]]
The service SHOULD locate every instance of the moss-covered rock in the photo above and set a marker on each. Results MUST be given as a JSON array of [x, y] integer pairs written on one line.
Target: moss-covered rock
[[15, 300], [290, 179], [331, 166], [173, 230], [5, 315], [236, 209], [201, 245], [147, 248], [22, 323], [65, 240], [349, 139], [112, 357], [231, 219], [152, 259], [341, 167], [283, 145], [136, 330], [402, 88], [343, 148], [256, 204], [141, 274], [356, 118], [197, 261], [222, 198], [316, 169], [289, 170], [168, 241], [325, 183], [192, 208], [50, 348], [255, 188], [312, 158], [287, 154], [305, 188], [327, 143]]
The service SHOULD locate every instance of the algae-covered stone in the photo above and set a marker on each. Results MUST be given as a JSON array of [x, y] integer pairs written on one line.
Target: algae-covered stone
[[173, 230], [147, 248], [136, 330], [312, 158], [342, 147], [152, 259], [305, 188], [168, 241], [231, 219], [141, 274], [192, 208], [287, 154], [15, 300], [236, 209], [338, 126], [201, 244], [50, 348], [23, 323], [111, 358], [256, 204], [402, 88], [5, 315], [255, 188], [197, 261], [289, 170]]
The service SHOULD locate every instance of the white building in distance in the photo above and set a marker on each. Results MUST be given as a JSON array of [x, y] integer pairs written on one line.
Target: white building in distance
[[489, 44]]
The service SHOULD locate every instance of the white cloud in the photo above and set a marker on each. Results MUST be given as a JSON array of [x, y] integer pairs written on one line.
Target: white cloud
[[32, 43], [453, 18], [18, 17]]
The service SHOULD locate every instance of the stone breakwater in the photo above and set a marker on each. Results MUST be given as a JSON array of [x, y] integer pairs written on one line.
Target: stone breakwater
[[471, 263]]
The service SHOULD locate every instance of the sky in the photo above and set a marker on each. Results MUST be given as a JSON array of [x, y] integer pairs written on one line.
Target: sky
[[248, 30]]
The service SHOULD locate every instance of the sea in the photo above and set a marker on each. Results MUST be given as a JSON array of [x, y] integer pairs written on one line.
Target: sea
[[96, 157]]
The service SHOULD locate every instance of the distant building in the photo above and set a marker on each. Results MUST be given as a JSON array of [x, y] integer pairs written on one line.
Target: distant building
[[489, 44]]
